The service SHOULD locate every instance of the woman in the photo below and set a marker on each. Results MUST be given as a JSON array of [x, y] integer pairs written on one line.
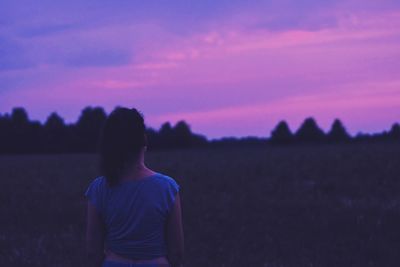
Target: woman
[[134, 213]]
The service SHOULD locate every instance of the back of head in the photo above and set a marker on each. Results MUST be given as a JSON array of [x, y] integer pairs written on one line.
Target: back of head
[[121, 142]]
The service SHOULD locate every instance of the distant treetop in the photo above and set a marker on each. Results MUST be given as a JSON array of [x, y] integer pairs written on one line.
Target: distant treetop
[[20, 135], [338, 132], [281, 134], [309, 132]]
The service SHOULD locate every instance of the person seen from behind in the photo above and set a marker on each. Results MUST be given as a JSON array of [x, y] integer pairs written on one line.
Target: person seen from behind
[[133, 213]]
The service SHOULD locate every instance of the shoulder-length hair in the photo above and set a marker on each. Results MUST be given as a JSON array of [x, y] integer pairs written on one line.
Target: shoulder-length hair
[[121, 140]]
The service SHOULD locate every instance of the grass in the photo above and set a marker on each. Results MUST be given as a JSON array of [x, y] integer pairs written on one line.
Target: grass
[[280, 206]]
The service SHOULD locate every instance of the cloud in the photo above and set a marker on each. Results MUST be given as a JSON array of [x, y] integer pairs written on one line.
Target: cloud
[[99, 58], [45, 30], [13, 56], [193, 57], [363, 108]]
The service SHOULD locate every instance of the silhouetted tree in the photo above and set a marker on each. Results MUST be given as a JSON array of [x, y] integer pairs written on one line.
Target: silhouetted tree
[[153, 138], [19, 130], [166, 128], [338, 132], [55, 133], [19, 116], [362, 137], [20, 135], [6, 144], [309, 132], [166, 135], [54, 121], [238, 142], [88, 128], [182, 134], [179, 136], [281, 134], [394, 132]]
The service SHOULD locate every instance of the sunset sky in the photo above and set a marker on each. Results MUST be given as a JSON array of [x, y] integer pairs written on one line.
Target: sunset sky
[[229, 68]]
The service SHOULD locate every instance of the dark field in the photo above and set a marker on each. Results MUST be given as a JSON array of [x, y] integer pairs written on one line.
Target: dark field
[[281, 206]]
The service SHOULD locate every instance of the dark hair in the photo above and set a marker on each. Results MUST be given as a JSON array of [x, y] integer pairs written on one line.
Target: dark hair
[[121, 140]]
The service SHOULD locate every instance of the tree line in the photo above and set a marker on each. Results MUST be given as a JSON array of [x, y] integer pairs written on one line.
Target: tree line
[[18, 134]]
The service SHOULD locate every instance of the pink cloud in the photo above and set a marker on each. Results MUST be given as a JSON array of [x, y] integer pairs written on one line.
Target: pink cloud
[[356, 107], [233, 73]]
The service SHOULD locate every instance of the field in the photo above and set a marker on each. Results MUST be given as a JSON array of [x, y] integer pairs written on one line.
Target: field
[[279, 206]]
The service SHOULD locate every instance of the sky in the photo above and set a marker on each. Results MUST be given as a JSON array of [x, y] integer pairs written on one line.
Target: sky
[[228, 68]]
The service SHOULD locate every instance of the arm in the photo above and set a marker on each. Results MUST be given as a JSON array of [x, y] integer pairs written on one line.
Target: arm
[[95, 234], [174, 234]]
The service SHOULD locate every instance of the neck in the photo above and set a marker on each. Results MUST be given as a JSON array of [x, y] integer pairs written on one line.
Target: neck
[[136, 168]]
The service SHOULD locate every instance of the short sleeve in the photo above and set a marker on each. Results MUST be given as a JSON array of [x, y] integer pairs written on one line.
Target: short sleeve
[[172, 190], [94, 193]]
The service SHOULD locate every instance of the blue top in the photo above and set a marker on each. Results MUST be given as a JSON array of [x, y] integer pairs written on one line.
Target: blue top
[[134, 213]]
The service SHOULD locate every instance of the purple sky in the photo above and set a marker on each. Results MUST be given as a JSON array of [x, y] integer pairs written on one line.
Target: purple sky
[[229, 68]]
